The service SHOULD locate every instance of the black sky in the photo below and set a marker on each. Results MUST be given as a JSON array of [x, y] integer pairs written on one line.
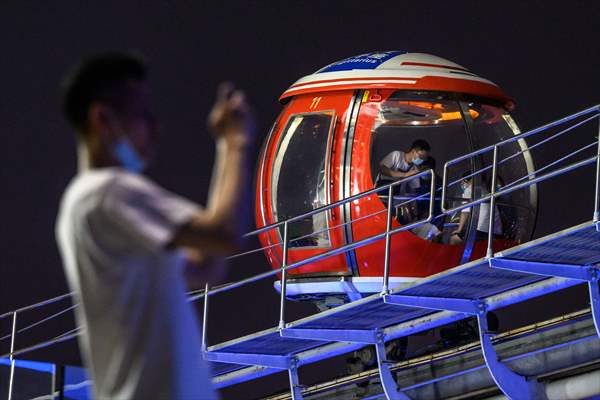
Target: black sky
[[544, 55]]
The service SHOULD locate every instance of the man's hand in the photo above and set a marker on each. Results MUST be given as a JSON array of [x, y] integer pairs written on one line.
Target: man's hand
[[413, 171], [230, 118], [400, 174]]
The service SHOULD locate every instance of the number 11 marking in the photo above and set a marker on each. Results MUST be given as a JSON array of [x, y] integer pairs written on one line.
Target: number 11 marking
[[315, 102]]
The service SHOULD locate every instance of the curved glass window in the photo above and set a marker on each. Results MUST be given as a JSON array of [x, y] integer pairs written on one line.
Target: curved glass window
[[403, 119], [300, 177], [517, 209], [451, 128]]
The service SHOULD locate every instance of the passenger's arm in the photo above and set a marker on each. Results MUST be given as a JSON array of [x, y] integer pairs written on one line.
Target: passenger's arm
[[387, 171], [464, 217]]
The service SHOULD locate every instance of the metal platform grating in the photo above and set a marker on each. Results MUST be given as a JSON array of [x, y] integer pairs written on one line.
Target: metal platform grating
[[372, 315], [269, 342], [218, 368], [474, 280], [579, 245]]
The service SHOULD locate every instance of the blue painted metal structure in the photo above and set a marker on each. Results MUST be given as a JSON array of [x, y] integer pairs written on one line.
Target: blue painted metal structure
[[562, 349], [471, 289], [538, 267]]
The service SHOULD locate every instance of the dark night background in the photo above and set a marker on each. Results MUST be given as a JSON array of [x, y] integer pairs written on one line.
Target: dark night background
[[544, 56]]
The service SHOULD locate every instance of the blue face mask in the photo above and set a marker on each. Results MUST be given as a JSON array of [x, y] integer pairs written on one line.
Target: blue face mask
[[418, 161], [127, 155]]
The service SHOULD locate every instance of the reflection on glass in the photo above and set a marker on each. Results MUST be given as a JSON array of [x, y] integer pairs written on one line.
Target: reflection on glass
[[300, 176], [516, 209], [401, 121], [408, 116]]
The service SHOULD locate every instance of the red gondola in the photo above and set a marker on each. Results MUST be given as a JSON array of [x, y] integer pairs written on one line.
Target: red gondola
[[328, 143]]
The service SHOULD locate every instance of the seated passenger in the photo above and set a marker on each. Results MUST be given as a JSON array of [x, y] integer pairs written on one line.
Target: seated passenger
[[459, 235], [420, 188], [398, 164]]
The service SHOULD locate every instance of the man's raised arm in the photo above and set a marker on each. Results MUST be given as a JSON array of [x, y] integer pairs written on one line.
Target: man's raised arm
[[216, 229]]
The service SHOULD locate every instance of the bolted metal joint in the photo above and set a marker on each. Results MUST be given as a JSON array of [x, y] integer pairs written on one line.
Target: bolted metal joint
[[294, 363], [594, 274], [379, 336], [482, 307]]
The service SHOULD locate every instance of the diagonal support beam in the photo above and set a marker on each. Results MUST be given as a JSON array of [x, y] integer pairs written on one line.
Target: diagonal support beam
[[580, 272], [331, 335], [594, 288], [466, 306], [390, 388], [513, 385], [375, 337], [263, 360], [295, 388]]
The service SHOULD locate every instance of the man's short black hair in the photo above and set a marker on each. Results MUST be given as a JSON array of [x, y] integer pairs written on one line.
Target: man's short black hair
[[95, 79], [429, 162], [420, 144]]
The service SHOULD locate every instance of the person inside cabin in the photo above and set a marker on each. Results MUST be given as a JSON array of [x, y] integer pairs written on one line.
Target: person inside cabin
[[420, 190], [459, 235], [398, 165]]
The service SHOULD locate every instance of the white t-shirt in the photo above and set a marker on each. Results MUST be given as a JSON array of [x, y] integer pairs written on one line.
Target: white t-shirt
[[395, 161], [484, 213], [141, 338]]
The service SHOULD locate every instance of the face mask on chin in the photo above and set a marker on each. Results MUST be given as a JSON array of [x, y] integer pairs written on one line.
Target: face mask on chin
[[127, 155]]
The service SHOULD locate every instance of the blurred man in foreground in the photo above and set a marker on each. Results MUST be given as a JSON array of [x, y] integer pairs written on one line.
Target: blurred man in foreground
[[125, 241]]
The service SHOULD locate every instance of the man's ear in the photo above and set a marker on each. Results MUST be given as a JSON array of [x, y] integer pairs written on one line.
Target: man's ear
[[100, 121]]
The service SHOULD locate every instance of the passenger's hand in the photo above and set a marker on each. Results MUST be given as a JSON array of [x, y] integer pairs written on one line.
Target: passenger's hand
[[230, 118]]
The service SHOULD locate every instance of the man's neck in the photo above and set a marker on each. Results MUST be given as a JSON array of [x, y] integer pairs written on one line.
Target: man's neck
[[83, 158], [87, 161]]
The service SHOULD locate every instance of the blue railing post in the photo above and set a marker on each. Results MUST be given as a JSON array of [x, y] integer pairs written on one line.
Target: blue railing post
[[490, 244], [12, 355], [283, 276], [205, 318], [597, 194], [388, 226]]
